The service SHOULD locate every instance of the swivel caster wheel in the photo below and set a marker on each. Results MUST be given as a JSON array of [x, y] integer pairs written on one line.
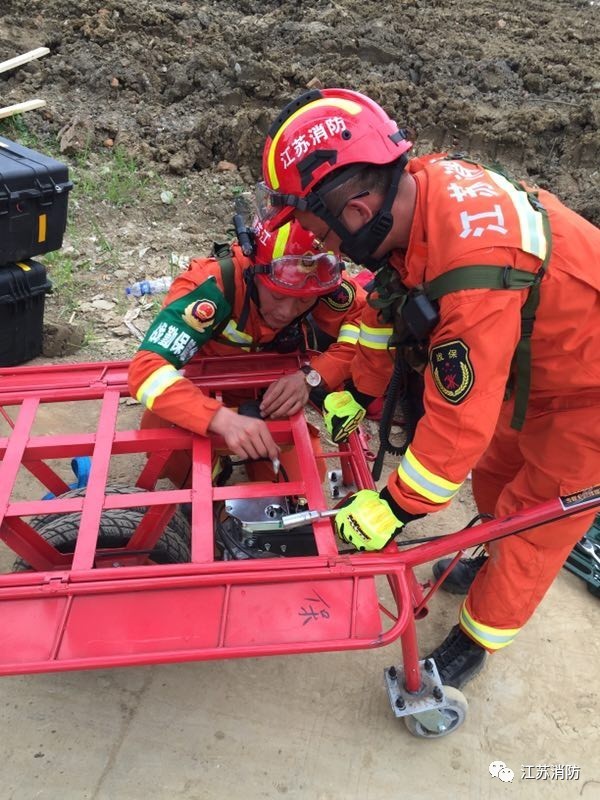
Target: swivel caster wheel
[[442, 721]]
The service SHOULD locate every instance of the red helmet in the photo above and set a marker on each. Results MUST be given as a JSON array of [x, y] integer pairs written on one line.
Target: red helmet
[[286, 262], [315, 135]]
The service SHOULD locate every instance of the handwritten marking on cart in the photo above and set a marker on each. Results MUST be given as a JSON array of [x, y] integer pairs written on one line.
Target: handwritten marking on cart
[[312, 613]]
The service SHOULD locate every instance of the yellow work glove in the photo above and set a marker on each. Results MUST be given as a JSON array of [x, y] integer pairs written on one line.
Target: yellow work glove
[[367, 521], [342, 415]]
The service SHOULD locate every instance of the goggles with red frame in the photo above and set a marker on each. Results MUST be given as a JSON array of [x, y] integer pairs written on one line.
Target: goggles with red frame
[[313, 273]]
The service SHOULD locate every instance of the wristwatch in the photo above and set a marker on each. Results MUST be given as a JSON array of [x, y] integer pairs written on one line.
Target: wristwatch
[[311, 376]]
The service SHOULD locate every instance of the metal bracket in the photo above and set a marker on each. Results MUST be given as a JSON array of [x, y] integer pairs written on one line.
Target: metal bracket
[[428, 703], [259, 514], [337, 486]]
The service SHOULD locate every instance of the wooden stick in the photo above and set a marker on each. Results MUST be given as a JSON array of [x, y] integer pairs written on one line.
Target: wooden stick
[[23, 59], [19, 108]]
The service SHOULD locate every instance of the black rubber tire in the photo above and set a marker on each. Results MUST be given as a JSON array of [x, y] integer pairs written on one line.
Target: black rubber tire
[[593, 590], [116, 528], [178, 523]]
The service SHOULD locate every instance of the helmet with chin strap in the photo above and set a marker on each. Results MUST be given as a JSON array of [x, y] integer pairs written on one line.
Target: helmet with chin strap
[[317, 143], [285, 261]]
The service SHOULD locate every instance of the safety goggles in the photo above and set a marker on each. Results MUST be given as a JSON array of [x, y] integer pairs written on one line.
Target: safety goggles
[[270, 203], [318, 271]]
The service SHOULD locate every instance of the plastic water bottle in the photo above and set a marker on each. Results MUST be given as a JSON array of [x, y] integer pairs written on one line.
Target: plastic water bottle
[[151, 286]]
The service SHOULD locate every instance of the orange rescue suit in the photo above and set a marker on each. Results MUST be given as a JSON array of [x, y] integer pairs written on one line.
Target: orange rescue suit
[[186, 329], [467, 215]]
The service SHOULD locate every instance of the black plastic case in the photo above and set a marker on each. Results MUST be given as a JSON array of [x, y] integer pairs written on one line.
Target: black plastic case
[[23, 288], [34, 191]]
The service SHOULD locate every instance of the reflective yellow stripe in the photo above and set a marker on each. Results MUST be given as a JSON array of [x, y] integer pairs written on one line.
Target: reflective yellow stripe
[[22, 265], [347, 105], [349, 334], [435, 488], [239, 337], [375, 338], [531, 221], [492, 638], [42, 220], [156, 384], [281, 237]]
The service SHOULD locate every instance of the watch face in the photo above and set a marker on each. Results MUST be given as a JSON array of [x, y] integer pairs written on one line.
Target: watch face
[[313, 378]]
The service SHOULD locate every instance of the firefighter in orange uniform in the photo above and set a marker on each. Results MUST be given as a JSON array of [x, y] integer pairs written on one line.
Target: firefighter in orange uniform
[[503, 285], [235, 304]]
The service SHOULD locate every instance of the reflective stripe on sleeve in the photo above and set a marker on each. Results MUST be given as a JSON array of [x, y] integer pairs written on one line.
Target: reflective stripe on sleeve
[[238, 337], [435, 488], [157, 383], [531, 221], [349, 334], [491, 638], [375, 338]]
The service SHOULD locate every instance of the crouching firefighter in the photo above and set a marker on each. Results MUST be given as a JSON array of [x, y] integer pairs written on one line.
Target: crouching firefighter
[[515, 275], [232, 303]]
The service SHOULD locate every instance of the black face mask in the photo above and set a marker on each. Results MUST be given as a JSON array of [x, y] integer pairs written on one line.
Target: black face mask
[[360, 245]]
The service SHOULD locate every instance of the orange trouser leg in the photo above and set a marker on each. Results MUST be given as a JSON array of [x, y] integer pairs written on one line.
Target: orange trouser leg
[[560, 454], [498, 465]]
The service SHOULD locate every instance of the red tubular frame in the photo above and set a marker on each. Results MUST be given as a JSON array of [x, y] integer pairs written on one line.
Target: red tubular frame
[[83, 611]]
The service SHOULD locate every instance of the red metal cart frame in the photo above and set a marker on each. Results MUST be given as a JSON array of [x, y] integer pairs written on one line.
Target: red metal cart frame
[[81, 611]]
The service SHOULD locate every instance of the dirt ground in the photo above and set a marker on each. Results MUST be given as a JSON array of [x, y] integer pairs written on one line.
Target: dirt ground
[[184, 92], [189, 89]]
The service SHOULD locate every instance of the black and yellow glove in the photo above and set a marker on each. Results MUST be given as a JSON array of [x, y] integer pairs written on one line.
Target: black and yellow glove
[[342, 415], [367, 521]]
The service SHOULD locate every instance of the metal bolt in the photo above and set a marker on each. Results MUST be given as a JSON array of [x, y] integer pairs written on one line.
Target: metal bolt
[[437, 693], [400, 703], [393, 673], [428, 665]]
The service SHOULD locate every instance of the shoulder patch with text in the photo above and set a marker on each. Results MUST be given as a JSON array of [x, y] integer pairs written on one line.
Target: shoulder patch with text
[[341, 298], [452, 370]]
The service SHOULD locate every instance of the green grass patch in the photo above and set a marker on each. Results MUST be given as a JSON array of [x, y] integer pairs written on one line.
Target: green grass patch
[[116, 179], [65, 275], [16, 129]]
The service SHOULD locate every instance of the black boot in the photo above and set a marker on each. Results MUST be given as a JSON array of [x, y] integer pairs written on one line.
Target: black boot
[[459, 580], [458, 658]]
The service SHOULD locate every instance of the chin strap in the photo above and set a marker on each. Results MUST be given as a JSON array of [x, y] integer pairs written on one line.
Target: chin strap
[[361, 245]]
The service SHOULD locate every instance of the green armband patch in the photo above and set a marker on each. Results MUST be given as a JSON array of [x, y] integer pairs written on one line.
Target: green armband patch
[[182, 327]]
